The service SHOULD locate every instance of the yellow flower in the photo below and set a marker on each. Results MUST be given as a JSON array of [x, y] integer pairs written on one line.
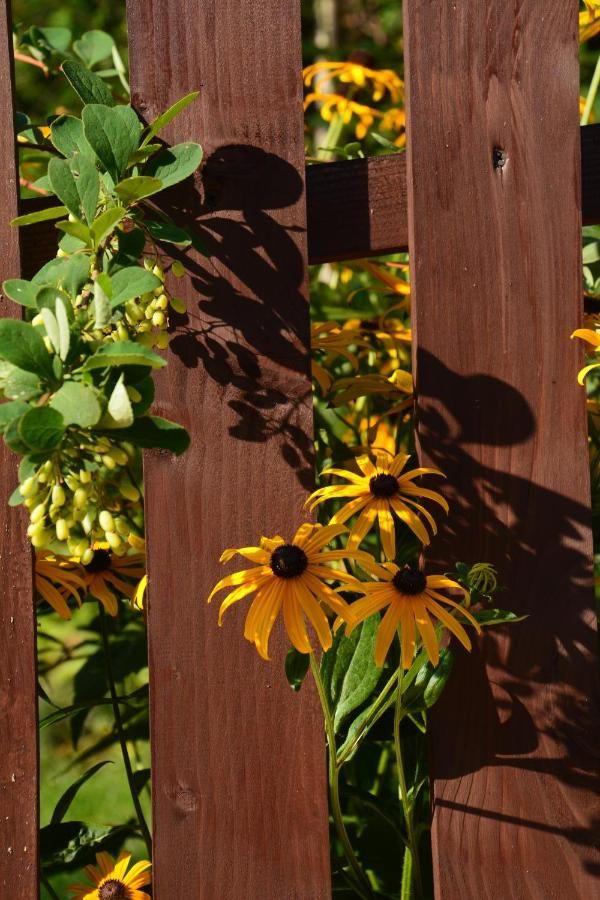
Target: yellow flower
[[140, 593], [335, 105], [381, 81], [379, 492], [106, 571], [395, 120], [56, 578], [290, 577], [112, 881], [592, 338], [589, 21], [400, 384], [412, 601], [334, 340]]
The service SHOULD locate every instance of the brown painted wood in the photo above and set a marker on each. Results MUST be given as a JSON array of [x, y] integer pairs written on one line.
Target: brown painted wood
[[496, 279], [18, 688], [355, 208], [240, 797]]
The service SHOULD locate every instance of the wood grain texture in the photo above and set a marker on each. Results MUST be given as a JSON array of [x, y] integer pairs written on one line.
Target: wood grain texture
[[356, 208], [18, 687], [240, 797], [496, 279]]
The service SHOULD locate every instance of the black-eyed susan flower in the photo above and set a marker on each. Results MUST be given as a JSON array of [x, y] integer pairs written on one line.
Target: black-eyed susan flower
[[413, 604], [380, 81], [290, 577], [56, 579], [399, 384], [592, 338], [111, 880], [334, 340], [378, 493], [331, 105], [589, 20], [105, 572]]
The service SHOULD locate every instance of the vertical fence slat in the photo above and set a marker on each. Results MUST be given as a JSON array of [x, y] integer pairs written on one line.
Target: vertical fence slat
[[495, 265], [18, 688], [238, 763]]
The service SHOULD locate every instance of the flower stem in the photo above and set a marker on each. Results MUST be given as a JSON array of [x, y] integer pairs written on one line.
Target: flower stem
[[49, 888], [407, 806], [121, 734], [591, 95], [334, 785]]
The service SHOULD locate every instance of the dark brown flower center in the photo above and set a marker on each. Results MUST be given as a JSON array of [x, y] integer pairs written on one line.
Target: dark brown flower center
[[113, 890], [383, 485], [288, 561], [410, 581], [100, 563]]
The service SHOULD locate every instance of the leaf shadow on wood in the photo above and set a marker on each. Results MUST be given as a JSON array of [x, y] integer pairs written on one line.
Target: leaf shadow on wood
[[526, 698], [247, 323]]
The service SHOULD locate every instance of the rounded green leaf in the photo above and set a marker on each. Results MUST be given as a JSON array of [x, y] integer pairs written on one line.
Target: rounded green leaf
[[42, 428], [22, 345], [78, 404]]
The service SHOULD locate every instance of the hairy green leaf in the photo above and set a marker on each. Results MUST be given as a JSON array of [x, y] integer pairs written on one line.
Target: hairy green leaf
[[20, 291], [90, 87], [123, 353], [113, 134], [42, 428], [78, 404], [130, 282], [175, 163], [42, 215], [349, 671], [136, 188], [163, 120], [23, 346], [93, 47], [76, 183]]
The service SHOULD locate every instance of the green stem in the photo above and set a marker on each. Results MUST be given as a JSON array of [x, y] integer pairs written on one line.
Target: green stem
[[591, 95], [407, 807], [334, 785], [332, 138], [121, 734], [49, 887]]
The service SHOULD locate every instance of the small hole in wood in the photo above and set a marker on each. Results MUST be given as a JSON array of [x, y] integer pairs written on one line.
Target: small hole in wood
[[499, 157]]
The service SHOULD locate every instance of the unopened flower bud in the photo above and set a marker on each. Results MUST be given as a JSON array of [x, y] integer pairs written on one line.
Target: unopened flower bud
[[58, 495], [107, 523]]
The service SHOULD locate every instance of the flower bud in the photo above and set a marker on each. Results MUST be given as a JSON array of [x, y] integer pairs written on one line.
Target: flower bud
[[113, 540], [80, 498], [178, 305], [178, 269], [62, 530], [129, 492], [40, 539], [87, 556], [29, 487], [85, 477], [109, 461], [107, 523], [58, 495], [38, 513]]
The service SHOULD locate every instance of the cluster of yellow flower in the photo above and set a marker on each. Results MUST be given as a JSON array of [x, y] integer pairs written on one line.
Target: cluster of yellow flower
[[342, 101]]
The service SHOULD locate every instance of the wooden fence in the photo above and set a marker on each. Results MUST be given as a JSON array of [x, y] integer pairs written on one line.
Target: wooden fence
[[240, 808]]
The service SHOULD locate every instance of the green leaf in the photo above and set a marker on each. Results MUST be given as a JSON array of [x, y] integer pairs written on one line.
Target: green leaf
[[17, 384], [13, 439], [133, 281], [137, 187], [20, 291], [77, 230], [88, 86], [42, 428], [71, 273], [51, 326], [10, 411], [47, 296], [131, 243], [56, 38], [119, 413], [113, 134], [42, 215], [591, 253], [105, 223], [154, 432], [76, 183], [163, 119], [64, 802], [102, 307], [140, 780], [93, 47], [175, 163], [496, 617], [73, 843], [296, 667], [78, 404], [169, 233], [123, 353], [64, 330], [349, 671], [23, 346], [68, 137]]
